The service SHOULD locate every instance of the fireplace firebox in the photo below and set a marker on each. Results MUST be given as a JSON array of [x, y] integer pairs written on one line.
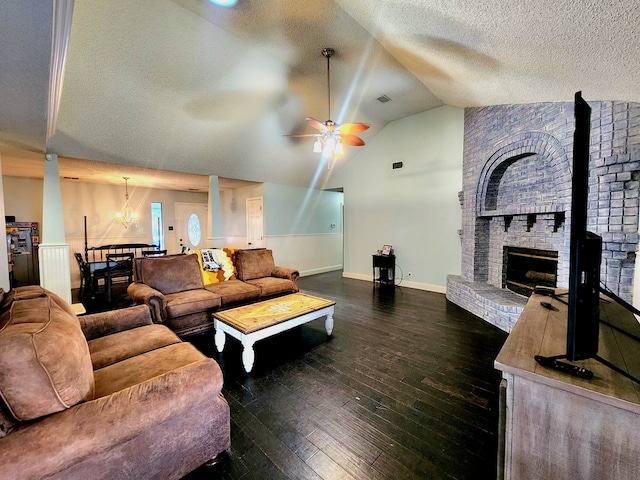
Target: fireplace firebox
[[526, 268]]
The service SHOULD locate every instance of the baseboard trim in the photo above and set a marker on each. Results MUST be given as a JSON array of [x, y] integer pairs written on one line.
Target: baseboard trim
[[404, 283], [314, 271]]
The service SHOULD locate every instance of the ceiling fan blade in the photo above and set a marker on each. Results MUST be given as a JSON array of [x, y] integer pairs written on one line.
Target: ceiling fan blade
[[304, 135], [317, 124], [352, 140], [352, 128]]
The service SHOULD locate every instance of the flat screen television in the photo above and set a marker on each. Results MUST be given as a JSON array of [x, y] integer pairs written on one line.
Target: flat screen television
[[585, 255]]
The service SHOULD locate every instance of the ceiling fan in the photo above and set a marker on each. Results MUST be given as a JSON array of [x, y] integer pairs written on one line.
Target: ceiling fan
[[332, 135]]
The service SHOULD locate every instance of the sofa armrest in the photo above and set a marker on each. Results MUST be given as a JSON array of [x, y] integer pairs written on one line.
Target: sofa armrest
[[141, 293], [74, 435], [106, 323], [284, 272]]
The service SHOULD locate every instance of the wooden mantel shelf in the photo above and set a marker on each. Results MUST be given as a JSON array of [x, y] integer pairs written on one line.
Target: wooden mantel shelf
[[559, 426]]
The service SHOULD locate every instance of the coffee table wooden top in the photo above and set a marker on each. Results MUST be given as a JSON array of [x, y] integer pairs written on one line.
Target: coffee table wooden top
[[250, 318]]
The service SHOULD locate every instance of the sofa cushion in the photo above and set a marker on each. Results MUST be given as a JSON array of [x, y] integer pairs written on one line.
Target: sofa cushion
[[191, 301], [146, 366], [252, 264], [119, 346], [216, 265], [234, 291], [45, 365], [273, 286], [171, 273]]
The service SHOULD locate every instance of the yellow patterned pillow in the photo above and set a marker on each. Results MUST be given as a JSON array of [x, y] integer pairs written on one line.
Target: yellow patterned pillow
[[231, 253], [216, 265]]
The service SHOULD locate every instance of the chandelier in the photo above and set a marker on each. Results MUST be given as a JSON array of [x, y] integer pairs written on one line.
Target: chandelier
[[127, 216]]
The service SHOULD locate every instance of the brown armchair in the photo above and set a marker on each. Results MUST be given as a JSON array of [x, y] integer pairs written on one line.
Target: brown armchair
[[257, 267], [108, 395], [172, 287]]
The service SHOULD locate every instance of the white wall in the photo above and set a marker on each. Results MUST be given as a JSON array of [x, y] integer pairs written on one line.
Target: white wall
[[297, 221], [23, 198], [415, 209], [233, 204], [100, 203]]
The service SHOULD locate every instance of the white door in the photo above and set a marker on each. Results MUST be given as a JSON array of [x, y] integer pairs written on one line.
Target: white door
[[255, 222], [191, 225]]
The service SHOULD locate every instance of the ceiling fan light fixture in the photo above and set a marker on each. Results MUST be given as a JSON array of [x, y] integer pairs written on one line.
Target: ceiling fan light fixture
[[329, 147], [332, 135]]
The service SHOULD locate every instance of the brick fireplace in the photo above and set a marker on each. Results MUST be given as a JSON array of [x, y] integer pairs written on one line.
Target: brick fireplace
[[517, 196], [526, 268]]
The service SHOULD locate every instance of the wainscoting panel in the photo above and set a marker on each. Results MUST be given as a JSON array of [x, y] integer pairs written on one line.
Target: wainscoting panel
[[54, 269], [310, 254]]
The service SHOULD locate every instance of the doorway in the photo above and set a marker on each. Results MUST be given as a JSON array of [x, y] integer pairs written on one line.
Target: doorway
[[255, 222], [191, 225]]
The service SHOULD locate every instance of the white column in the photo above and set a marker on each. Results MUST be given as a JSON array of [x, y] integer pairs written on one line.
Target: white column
[[53, 252], [214, 228], [4, 252]]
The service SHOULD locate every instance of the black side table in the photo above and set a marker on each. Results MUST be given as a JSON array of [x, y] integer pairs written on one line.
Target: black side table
[[384, 270]]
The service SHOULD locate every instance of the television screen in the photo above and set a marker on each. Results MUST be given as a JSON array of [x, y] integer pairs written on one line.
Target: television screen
[[585, 255]]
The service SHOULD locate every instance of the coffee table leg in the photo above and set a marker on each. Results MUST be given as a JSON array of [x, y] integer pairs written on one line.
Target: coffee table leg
[[219, 338], [248, 356], [328, 323]]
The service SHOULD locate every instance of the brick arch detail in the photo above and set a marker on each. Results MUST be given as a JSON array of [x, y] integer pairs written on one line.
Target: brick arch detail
[[516, 148]]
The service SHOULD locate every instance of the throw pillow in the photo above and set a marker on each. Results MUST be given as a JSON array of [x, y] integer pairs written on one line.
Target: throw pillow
[[171, 274], [216, 265], [44, 357]]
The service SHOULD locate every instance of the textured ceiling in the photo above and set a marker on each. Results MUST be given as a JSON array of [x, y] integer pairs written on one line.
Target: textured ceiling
[[182, 85]]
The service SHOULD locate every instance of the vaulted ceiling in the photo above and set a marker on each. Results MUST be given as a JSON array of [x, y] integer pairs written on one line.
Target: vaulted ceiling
[[183, 85]]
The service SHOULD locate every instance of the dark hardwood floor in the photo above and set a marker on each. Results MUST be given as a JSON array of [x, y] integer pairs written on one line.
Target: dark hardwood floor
[[405, 388]]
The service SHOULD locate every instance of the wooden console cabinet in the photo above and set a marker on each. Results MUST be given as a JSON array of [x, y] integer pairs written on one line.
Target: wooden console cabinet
[[557, 426]]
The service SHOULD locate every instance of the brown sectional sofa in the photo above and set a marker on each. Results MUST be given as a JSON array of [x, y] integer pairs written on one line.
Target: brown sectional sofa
[[182, 291], [108, 395]]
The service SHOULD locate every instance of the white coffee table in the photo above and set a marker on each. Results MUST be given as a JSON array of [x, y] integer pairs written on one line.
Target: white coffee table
[[260, 320]]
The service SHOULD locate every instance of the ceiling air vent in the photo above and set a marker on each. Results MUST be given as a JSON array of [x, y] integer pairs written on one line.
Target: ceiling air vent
[[383, 99]]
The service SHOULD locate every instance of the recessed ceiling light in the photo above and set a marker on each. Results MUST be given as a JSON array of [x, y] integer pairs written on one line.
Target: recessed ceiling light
[[224, 3]]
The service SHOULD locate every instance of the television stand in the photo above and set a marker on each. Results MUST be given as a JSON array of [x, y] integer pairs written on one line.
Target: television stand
[[555, 425]]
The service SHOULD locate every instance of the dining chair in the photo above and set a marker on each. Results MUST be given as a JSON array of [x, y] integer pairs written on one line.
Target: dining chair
[[85, 274], [153, 253], [119, 265]]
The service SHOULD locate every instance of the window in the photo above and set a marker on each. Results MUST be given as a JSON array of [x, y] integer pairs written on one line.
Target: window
[[157, 230], [194, 230]]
